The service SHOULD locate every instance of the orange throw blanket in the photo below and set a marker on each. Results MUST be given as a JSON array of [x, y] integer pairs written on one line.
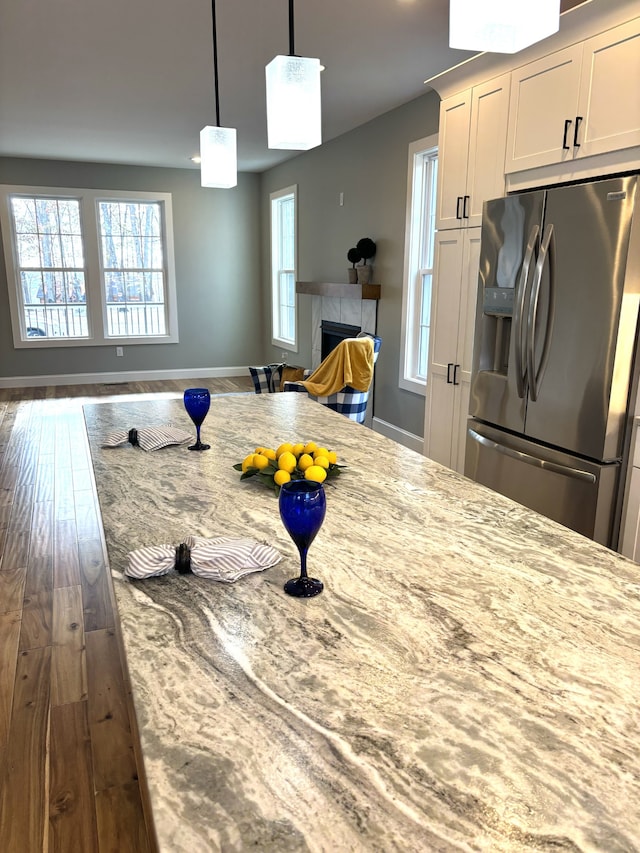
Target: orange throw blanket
[[350, 363]]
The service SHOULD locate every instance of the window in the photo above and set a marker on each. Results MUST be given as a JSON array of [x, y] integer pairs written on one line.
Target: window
[[418, 265], [87, 267], [283, 268]]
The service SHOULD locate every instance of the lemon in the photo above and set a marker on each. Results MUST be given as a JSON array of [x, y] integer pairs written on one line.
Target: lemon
[[305, 461], [287, 447], [310, 447], [321, 451], [332, 456], [269, 453], [247, 462], [258, 450], [259, 461], [315, 473], [281, 477], [322, 461], [297, 449], [287, 461]]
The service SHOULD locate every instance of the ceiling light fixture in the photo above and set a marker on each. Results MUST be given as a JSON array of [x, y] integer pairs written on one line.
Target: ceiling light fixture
[[218, 146], [501, 26], [294, 115]]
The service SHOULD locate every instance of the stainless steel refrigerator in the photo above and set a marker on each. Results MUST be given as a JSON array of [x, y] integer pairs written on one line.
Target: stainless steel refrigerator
[[554, 370]]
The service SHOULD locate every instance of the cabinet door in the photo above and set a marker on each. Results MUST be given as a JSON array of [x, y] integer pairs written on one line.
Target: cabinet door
[[453, 142], [544, 95], [630, 544], [487, 144], [445, 316], [466, 327], [609, 98]]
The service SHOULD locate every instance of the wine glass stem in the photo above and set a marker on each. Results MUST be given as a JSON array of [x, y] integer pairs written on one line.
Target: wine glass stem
[[303, 562], [197, 433]]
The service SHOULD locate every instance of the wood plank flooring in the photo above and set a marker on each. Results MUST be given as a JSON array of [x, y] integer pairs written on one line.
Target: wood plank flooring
[[70, 778]]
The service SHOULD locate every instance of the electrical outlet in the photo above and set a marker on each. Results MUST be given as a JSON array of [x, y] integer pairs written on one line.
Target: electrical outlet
[[119, 351], [284, 355]]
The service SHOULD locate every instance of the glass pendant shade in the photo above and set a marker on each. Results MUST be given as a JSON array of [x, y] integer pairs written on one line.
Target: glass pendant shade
[[219, 158], [501, 26], [294, 119]]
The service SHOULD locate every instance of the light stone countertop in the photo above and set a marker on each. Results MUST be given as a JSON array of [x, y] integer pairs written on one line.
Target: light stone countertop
[[469, 680]]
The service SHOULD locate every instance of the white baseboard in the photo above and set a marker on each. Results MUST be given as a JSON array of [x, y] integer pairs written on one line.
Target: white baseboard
[[408, 439], [122, 376]]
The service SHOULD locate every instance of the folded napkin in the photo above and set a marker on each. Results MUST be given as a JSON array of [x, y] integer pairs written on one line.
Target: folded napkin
[[220, 559], [350, 363], [149, 438]]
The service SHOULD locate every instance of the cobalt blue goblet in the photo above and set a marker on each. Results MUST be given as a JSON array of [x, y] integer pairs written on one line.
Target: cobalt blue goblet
[[197, 402], [302, 506]]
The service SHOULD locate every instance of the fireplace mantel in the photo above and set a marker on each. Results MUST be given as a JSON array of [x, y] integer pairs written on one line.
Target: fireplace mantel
[[339, 291]]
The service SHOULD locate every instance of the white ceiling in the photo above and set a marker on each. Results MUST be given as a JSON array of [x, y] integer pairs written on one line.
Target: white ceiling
[[131, 81]]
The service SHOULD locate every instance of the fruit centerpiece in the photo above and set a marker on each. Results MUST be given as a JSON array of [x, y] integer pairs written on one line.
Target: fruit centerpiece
[[299, 461]]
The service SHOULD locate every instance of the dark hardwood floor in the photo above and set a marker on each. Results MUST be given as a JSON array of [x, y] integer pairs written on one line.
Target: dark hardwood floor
[[69, 775]]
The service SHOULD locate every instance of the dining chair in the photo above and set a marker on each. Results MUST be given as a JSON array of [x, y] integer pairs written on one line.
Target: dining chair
[[348, 402]]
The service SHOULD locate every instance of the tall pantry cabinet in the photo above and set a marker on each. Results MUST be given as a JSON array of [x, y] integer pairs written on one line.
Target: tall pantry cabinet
[[472, 138]]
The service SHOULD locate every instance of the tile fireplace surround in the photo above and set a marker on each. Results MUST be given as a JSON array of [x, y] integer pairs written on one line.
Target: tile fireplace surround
[[355, 312]]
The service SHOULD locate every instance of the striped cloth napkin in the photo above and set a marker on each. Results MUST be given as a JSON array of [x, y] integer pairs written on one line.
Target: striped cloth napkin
[[148, 438], [220, 559]]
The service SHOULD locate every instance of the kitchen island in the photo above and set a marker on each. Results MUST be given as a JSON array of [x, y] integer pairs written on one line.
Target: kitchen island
[[468, 679]]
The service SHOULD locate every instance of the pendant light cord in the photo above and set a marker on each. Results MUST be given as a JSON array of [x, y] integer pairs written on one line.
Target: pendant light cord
[[292, 51], [215, 59]]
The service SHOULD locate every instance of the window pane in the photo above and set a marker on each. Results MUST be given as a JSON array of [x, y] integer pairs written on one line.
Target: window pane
[[420, 259], [283, 253], [50, 261], [133, 262]]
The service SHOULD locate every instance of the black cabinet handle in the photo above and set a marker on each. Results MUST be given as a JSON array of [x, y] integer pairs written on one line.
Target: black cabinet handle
[[449, 366], [455, 374], [567, 125], [458, 207], [465, 211], [576, 144]]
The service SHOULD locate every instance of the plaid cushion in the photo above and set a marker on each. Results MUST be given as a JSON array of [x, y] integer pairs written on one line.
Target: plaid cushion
[[266, 380], [348, 402]]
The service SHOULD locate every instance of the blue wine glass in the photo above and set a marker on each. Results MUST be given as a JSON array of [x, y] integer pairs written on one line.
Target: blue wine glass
[[302, 506], [197, 402]]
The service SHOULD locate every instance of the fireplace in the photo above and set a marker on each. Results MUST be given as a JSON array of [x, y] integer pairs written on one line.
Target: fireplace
[[333, 333]]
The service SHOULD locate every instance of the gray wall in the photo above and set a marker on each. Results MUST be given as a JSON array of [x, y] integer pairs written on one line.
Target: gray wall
[[217, 252], [368, 165]]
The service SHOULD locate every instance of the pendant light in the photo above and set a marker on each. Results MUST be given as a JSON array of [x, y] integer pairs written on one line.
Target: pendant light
[[218, 146], [501, 26], [294, 117]]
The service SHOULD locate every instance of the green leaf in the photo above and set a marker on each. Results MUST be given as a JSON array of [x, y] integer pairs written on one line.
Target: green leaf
[[250, 472], [238, 467]]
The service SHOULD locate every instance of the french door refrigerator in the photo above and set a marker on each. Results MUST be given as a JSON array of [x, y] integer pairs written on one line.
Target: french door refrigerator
[[554, 368]]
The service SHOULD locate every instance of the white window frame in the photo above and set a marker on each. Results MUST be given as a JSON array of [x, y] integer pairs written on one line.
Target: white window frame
[[416, 226], [277, 336], [94, 279]]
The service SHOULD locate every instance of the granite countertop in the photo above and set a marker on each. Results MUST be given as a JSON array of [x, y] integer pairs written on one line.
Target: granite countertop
[[468, 679]]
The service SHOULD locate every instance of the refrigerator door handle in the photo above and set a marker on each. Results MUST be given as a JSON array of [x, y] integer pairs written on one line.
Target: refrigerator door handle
[[555, 467], [547, 249], [518, 314]]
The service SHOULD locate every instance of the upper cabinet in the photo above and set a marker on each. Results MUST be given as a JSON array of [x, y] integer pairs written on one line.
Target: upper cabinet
[[576, 102], [472, 133]]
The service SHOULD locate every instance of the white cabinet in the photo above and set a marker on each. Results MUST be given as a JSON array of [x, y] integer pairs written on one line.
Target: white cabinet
[[630, 530], [472, 134], [576, 102], [453, 306]]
